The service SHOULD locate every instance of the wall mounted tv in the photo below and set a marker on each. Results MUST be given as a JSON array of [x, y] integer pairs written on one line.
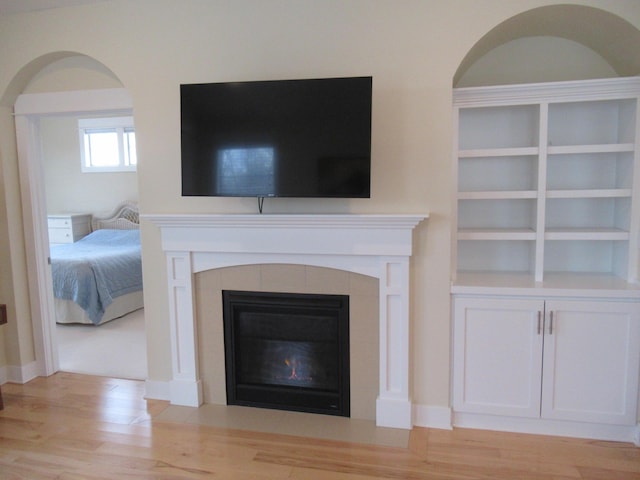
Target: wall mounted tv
[[277, 138]]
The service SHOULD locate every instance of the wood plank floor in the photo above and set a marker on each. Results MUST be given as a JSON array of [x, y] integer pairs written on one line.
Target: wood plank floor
[[70, 426]]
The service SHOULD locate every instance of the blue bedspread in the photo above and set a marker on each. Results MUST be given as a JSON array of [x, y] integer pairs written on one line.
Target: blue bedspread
[[96, 269]]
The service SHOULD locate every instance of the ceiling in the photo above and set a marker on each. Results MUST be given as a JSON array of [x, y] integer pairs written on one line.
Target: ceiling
[[8, 7]]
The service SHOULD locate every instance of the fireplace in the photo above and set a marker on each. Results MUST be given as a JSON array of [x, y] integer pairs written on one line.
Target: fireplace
[[378, 246], [287, 351]]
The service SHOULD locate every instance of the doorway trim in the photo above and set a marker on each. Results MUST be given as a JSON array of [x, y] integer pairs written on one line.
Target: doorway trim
[[29, 109]]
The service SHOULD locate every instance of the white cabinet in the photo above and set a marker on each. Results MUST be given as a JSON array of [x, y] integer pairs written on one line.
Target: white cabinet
[[575, 360], [68, 228], [546, 184], [591, 358], [497, 356]]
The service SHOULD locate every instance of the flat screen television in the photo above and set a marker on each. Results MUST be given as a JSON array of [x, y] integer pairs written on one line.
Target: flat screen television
[[277, 138]]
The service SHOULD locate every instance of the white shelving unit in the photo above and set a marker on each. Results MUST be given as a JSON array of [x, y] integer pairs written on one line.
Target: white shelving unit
[[546, 180], [546, 299]]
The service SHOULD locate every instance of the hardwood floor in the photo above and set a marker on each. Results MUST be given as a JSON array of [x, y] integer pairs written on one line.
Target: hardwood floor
[[70, 426]]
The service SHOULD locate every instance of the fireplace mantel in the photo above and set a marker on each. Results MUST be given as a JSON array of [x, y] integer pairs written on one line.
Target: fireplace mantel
[[375, 245]]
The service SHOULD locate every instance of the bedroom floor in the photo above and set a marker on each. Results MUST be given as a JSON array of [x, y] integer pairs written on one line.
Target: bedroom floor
[[114, 349]]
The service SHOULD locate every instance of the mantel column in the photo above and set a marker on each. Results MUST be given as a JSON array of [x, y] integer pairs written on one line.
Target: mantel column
[[185, 387], [393, 406]]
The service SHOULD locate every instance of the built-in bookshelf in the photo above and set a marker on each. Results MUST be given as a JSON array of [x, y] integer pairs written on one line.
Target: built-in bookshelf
[[546, 184]]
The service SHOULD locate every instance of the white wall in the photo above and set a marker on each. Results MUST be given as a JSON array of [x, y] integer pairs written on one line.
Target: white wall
[[412, 48], [68, 189]]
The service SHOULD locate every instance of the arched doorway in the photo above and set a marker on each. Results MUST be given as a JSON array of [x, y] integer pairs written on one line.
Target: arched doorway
[[100, 94]]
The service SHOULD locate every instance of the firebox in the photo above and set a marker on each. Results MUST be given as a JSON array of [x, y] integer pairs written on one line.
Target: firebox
[[287, 351]]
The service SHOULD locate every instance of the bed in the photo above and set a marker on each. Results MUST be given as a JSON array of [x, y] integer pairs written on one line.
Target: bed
[[99, 277]]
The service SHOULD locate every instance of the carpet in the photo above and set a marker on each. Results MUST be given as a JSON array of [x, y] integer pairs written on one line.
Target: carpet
[[114, 349]]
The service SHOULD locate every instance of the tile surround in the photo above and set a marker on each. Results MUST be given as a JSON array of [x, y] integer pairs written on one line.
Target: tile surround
[[363, 321]]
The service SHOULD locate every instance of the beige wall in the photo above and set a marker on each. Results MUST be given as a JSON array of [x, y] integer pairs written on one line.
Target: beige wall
[[498, 66], [412, 48]]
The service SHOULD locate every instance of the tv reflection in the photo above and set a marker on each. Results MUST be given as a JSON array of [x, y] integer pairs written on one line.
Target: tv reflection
[[255, 172], [246, 171]]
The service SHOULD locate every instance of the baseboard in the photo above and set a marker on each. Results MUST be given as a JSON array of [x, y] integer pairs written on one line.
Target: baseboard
[[19, 373], [393, 413], [432, 417], [156, 390], [617, 433]]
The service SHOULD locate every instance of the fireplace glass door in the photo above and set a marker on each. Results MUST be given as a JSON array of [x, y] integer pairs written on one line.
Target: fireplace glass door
[[287, 351]]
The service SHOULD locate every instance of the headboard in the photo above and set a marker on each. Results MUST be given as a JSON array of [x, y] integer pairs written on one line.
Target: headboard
[[125, 217]]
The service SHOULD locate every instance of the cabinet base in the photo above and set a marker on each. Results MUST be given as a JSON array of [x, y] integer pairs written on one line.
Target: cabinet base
[[616, 433]]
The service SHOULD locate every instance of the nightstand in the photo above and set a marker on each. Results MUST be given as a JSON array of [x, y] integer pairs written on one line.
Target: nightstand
[[69, 227]]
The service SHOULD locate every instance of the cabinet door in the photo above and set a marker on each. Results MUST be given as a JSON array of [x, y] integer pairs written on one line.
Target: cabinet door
[[497, 356], [591, 359]]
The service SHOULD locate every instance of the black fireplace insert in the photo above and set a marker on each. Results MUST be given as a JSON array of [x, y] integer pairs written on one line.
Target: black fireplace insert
[[287, 351]]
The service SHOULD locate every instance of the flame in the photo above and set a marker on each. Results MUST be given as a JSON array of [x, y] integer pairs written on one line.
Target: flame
[[293, 363]]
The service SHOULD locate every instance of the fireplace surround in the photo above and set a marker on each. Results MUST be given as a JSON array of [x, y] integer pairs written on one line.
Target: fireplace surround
[[379, 246]]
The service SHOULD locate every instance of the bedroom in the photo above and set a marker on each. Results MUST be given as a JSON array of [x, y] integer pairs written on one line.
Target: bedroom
[[69, 190]]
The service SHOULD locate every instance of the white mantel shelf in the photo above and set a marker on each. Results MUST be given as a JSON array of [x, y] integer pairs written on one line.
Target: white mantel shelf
[[351, 234], [375, 245], [282, 220]]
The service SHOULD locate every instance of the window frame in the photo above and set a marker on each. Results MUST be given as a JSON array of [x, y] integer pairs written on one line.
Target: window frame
[[119, 125]]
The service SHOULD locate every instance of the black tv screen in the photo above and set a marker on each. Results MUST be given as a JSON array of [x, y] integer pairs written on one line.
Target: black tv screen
[[278, 138]]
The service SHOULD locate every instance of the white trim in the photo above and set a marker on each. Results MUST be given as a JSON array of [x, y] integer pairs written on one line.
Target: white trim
[[616, 433], [18, 373], [112, 100], [28, 109], [37, 241], [157, 390], [431, 416], [535, 93]]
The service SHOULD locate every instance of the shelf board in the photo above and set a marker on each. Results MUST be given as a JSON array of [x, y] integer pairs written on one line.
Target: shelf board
[[600, 148], [591, 284], [498, 195], [498, 152], [590, 193], [532, 194], [496, 234], [586, 234]]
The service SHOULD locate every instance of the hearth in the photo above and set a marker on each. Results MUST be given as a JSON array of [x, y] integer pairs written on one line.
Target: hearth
[[287, 351]]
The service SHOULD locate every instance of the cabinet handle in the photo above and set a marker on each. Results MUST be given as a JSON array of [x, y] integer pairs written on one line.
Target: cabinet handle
[[539, 321], [551, 322]]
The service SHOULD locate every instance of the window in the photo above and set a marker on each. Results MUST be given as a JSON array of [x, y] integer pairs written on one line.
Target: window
[[107, 144]]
